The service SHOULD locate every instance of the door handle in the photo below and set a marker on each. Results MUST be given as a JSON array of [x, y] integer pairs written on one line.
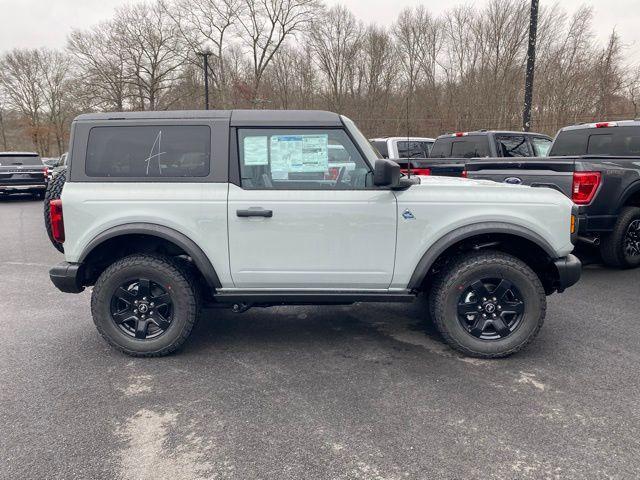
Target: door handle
[[255, 212]]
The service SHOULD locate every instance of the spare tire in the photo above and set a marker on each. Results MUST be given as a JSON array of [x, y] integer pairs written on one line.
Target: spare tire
[[54, 190]]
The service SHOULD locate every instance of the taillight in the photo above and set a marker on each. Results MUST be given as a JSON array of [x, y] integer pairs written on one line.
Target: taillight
[[46, 172], [606, 124], [57, 222], [464, 174], [584, 188], [417, 171], [460, 134]]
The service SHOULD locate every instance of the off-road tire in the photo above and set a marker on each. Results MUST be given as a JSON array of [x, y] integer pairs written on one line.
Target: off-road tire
[[465, 270], [612, 245], [164, 270], [53, 192]]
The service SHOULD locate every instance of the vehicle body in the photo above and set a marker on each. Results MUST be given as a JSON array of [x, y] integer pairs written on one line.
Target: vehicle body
[[240, 208], [23, 172], [598, 166], [412, 154], [451, 152], [491, 143]]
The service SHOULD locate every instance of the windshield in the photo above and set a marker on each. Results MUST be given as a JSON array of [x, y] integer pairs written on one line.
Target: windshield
[[31, 160], [369, 151]]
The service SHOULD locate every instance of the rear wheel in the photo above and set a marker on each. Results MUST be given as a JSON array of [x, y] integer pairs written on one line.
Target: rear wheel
[[621, 248], [145, 305], [488, 304]]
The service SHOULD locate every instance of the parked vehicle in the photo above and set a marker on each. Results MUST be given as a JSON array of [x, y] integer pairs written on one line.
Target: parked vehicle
[[403, 147], [23, 172], [163, 211], [597, 165], [491, 143]]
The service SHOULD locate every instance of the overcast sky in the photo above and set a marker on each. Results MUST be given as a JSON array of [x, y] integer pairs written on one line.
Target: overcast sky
[[36, 23]]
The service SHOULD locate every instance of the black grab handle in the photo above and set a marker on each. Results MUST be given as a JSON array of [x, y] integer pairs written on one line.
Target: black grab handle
[[255, 212]]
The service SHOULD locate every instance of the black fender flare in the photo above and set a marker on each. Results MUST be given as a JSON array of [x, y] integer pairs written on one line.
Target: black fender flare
[[199, 258], [468, 231], [629, 191]]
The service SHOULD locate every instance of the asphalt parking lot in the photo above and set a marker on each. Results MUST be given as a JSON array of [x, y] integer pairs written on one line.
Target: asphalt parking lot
[[360, 392]]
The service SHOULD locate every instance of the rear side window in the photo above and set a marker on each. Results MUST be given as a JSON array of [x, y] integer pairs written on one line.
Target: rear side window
[[381, 146], [599, 144], [441, 148], [470, 148], [413, 149], [167, 151]]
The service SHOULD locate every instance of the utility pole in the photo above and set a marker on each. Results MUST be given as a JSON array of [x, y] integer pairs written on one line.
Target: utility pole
[[205, 55], [531, 66]]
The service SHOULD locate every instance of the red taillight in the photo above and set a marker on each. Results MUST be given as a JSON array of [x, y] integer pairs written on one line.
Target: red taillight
[[464, 174], [605, 124], [57, 222], [584, 188], [46, 172], [460, 134], [417, 171], [332, 174]]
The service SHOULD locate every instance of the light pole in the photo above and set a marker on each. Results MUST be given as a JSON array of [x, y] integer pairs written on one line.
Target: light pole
[[531, 65], [205, 55]]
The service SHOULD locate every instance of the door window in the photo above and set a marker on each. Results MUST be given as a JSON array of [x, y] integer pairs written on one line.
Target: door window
[[512, 146], [300, 159]]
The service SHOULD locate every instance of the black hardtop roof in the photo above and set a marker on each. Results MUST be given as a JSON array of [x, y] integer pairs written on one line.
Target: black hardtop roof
[[237, 118]]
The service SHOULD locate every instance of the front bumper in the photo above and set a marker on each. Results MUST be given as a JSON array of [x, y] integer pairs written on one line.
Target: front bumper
[[569, 269], [67, 277]]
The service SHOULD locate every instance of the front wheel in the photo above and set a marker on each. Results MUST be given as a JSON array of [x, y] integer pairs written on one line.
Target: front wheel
[[488, 304], [145, 305]]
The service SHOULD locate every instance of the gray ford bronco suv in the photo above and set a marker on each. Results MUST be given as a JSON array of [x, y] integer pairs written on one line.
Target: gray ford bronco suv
[[163, 212]]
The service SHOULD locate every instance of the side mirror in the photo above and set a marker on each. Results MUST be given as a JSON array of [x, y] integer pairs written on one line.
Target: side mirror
[[386, 173]]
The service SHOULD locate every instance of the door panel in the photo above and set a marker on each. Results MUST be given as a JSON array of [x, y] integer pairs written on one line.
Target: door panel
[[315, 239]]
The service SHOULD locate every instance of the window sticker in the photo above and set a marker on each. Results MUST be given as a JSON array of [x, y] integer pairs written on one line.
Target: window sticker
[[299, 154], [256, 151]]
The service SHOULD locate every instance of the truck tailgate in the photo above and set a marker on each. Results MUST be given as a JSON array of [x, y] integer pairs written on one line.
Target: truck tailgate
[[549, 172]]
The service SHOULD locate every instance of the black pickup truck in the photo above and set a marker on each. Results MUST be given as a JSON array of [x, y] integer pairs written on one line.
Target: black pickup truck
[[597, 165], [451, 152], [23, 172]]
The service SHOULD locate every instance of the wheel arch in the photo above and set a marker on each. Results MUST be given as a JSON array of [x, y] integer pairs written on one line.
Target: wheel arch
[[630, 196], [478, 236], [164, 236]]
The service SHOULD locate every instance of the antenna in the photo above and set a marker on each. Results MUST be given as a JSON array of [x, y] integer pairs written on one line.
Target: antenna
[[408, 156]]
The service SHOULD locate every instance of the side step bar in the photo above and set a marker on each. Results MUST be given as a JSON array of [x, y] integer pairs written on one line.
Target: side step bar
[[310, 298]]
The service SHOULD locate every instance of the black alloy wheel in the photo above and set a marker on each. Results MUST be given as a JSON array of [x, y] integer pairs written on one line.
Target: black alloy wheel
[[141, 308], [490, 309], [631, 240]]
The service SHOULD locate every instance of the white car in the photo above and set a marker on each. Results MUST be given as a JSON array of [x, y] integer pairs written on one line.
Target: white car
[[403, 147], [260, 220]]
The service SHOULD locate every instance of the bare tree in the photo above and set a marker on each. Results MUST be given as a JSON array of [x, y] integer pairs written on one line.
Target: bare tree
[[207, 25], [264, 25], [335, 39], [20, 76], [151, 45], [101, 65]]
